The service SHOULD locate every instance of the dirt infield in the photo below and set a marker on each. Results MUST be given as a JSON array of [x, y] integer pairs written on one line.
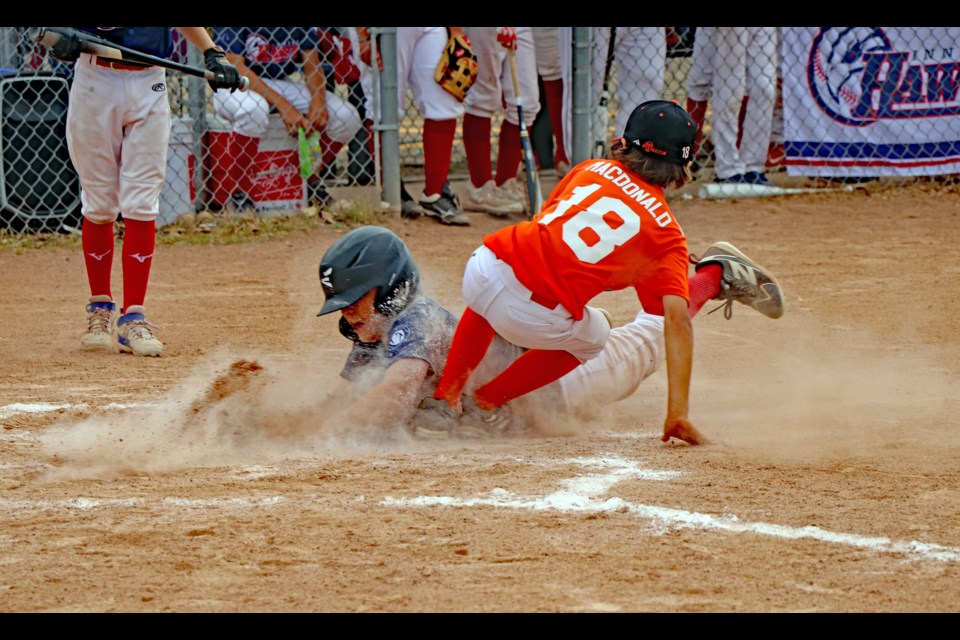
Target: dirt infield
[[832, 482]]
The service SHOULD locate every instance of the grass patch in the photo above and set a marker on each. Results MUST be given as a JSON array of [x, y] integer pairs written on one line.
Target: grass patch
[[208, 229]]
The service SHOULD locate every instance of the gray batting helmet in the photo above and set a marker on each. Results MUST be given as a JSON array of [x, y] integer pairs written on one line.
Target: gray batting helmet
[[365, 258]]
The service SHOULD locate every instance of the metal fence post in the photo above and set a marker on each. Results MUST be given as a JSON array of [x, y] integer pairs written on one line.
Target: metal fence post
[[388, 125], [581, 107], [197, 110]]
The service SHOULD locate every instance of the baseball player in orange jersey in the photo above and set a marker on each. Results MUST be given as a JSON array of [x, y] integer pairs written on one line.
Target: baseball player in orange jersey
[[606, 226]]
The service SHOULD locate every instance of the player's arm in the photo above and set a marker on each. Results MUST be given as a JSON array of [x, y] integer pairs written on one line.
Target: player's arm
[[316, 79], [678, 339], [197, 36], [391, 402]]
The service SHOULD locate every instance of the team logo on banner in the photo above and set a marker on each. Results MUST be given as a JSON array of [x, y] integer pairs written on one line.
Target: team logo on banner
[[858, 77], [837, 71]]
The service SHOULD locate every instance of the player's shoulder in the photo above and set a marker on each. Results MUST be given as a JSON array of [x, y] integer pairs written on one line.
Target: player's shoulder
[[423, 314]]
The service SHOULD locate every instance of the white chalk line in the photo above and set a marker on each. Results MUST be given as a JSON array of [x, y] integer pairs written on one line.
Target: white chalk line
[[17, 408], [581, 494], [584, 494]]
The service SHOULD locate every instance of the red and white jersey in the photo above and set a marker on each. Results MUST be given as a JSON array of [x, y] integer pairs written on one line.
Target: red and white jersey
[[602, 229]]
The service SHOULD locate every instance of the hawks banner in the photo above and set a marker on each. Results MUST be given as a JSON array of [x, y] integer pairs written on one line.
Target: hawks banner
[[871, 101]]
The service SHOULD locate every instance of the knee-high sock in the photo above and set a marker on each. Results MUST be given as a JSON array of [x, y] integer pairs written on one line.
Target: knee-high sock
[[97, 241], [476, 143], [437, 149], [704, 285], [470, 343], [698, 111], [329, 155], [532, 370], [139, 239], [508, 153], [554, 98]]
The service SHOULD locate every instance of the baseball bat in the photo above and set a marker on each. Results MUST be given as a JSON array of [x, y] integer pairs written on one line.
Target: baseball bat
[[602, 122], [89, 43], [532, 179]]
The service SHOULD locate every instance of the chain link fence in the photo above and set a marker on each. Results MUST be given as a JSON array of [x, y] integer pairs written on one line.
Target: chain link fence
[[841, 104]]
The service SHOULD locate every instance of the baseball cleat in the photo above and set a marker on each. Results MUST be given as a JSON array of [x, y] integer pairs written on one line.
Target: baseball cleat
[[490, 199], [134, 336], [743, 280], [481, 423], [436, 419], [100, 319], [444, 207]]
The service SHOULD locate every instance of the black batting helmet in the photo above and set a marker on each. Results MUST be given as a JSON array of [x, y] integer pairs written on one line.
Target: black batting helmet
[[365, 258]]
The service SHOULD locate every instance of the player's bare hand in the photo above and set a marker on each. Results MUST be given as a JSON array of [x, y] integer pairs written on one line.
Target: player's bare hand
[[507, 37], [293, 120], [318, 116], [682, 429]]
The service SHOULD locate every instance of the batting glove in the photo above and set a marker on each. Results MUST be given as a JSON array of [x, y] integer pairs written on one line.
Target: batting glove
[[67, 49], [507, 37], [226, 75]]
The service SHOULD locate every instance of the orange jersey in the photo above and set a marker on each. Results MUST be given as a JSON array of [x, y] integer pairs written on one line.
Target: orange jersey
[[602, 229]]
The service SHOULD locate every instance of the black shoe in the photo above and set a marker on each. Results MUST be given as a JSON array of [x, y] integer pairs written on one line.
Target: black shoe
[[317, 195], [444, 207], [409, 209], [755, 177]]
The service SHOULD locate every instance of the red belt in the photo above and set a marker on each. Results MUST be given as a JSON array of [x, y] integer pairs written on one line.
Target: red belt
[[543, 302], [116, 64]]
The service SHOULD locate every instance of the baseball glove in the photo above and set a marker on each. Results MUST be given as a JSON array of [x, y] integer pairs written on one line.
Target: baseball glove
[[457, 70]]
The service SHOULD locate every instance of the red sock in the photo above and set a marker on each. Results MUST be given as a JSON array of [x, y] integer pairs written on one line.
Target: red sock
[[437, 149], [704, 285], [245, 150], [532, 370], [139, 239], [470, 343], [554, 98], [698, 111], [329, 155], [97, 242], [476, 143], [508, 154]]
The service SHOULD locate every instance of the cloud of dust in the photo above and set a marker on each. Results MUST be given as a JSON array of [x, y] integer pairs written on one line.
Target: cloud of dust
[[829, 392], [282, 413]]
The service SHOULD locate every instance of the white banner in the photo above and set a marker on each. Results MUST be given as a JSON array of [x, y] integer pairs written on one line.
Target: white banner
[[871, 101]]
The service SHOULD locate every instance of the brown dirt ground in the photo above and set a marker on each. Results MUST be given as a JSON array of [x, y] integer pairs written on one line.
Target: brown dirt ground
[[831, 484]]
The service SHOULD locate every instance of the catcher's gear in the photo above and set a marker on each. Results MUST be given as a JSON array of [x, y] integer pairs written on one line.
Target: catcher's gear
[[226, 75], [366, 258], [457, 69], [67, 49]]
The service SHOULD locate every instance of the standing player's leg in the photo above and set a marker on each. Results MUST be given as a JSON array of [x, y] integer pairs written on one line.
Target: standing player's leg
[[93, 131], [440, 112], [550, 69], [641, 55], [144, 153], [484, 99], [509, 151]]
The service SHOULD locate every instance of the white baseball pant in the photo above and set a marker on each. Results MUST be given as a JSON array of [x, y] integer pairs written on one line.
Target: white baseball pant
[[491, 289], [249, 112], [745, 63], [418, 54], [494, 84], [112, 115]]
